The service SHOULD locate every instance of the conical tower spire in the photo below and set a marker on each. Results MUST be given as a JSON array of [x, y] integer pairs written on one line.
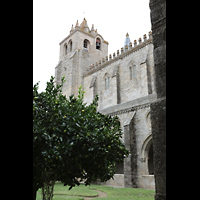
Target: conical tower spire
[[84, 25], [127, 41]]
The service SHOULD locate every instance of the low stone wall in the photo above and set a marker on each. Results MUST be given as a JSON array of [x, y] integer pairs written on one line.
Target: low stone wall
[[148, 182], [118, 181]]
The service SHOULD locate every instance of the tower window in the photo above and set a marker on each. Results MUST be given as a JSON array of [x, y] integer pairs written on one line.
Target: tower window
[[86, 43], [98, 43]]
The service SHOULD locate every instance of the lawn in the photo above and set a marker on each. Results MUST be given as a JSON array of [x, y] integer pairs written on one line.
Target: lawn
[[62, 193]]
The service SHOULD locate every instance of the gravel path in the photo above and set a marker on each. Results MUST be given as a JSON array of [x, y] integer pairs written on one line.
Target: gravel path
[[100, 194]]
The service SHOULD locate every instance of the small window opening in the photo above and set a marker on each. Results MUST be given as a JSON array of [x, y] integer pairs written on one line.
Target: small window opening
[[131, 73], [70, 46], [66, 49], [86, 43], [107, 82], [98, 43], [134, 71]]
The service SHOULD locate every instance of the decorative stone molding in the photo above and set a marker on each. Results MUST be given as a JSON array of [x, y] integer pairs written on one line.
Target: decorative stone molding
[[134, 105]]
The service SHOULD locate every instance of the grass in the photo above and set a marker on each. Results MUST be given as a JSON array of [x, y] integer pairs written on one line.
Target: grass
[[125, 193], [62, 193]]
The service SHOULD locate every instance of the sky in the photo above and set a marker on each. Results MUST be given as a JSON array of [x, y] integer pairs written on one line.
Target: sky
[[52, 21]]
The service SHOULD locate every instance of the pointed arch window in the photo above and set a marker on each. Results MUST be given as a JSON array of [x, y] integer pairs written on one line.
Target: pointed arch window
[[70, 45], [132, 71], [65, 49], [98, 43], [107, 82]]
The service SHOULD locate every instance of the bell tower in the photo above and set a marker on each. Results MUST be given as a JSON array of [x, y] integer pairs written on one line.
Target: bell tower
[[81, 48]]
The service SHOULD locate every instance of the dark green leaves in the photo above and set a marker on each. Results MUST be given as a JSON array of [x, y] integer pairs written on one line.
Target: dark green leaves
[[73, 140]]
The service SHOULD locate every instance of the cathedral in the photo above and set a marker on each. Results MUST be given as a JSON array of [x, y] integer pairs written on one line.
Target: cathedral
[[125, 85]]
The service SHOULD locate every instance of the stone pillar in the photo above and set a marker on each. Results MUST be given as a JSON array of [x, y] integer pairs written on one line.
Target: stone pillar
[[158, 108], [128, 175], [130, 163]]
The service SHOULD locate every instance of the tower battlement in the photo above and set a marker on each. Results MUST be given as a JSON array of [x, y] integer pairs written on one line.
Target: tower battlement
[[84, 28], [124, 52]]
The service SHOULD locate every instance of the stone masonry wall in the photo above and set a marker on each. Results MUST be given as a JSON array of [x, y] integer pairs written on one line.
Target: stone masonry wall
[[158, 108], [122, 87]]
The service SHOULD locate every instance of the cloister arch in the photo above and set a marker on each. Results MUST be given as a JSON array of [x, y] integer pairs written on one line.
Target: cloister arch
[[147, 155]]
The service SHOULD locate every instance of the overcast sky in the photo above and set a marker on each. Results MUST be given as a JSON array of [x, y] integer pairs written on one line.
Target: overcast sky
[[52, 21]]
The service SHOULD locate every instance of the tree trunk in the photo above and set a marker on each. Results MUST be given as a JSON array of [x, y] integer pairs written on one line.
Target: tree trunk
[[47, 190]]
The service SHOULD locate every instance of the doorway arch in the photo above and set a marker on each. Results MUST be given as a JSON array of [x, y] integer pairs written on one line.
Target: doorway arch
[[147, 155]]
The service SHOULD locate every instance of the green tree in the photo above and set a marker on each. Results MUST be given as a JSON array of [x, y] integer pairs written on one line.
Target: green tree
[[72, 142]]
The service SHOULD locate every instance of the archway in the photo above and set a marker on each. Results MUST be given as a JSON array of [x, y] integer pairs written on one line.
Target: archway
[[147, 156], [146, 171], [150, 160]]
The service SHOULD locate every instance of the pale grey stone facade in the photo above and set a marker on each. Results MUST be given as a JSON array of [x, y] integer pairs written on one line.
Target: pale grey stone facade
[[125, 85]]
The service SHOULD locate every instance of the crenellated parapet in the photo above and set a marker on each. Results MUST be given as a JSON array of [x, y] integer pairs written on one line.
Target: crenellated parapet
[[84, 28], [98, 65]]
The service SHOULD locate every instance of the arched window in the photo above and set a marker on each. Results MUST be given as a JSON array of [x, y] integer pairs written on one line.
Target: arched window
[[98, 43], [86, 43], [65, 49], [70, 45], [107, 82], [132, 70], [147, 156]]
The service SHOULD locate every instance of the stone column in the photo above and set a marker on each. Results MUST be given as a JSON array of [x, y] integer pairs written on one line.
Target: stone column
[[128, 174], [158, 108], [130, 163]]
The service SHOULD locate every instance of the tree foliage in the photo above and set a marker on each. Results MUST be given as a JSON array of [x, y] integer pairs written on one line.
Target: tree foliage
[[72, 142]]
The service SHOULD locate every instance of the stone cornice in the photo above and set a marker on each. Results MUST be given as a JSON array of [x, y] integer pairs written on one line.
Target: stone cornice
[[130, 109], [130, 106]]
